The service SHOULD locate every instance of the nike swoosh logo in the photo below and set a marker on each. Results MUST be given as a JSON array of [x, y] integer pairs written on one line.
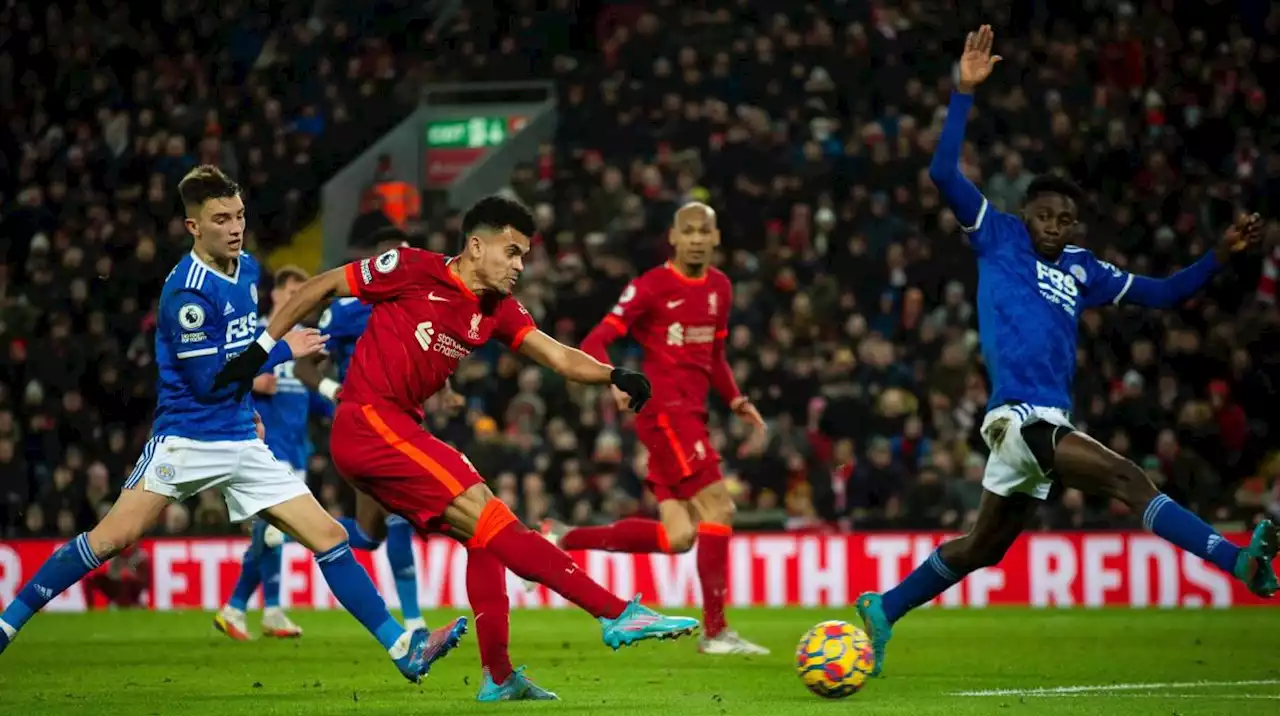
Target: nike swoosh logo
[[432, 296], [673, 304]]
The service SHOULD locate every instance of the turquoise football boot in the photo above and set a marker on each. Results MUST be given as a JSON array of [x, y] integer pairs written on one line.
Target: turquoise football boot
[[517, 687], [1254, 565], [870, 608], [639, 623]]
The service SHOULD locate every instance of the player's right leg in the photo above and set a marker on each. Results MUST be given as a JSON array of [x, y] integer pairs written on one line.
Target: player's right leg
[[135, 512], [371, 527], [261, 485], [1093, 468], [412, 473], [487, 593], [1013, 487]]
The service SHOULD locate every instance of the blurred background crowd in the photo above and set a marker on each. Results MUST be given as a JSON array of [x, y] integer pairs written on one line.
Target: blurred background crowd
[[808, 126]]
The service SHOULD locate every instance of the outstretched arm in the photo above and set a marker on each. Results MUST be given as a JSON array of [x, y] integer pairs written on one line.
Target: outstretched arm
[[310, 295], [574, 364], [961, 195], [1116, 286]]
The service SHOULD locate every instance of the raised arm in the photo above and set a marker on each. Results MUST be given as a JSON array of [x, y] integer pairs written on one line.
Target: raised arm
[[960, 194]]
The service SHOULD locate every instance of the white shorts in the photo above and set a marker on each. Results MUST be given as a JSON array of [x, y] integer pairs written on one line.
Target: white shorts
[[1011, 467], [250, 477]]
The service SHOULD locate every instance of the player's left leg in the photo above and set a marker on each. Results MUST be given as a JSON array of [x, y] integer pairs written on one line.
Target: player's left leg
[[372, 526], [713, 507], [134, 513], [230, 619], [269, 488], [404, 569], [1091, 467], [487, 592]]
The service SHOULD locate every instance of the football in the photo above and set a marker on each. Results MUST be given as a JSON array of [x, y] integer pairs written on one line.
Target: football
[[834, 659]]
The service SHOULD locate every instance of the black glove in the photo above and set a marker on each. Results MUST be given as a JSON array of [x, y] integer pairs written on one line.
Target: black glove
[[633, 384], [241, 370]]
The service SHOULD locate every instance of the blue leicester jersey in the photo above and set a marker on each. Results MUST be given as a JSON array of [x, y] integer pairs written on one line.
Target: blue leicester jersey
[[285, 415], [344, 321], [1029, 307], [205, 318]]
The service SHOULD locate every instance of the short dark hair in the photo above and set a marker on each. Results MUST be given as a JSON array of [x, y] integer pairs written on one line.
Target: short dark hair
[[498, 212], [203, 183], [1054, 184], [387, 236]]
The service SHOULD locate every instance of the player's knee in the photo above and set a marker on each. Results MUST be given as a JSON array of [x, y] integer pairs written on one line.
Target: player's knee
[[108, 542], [719, 512], [680, 538]]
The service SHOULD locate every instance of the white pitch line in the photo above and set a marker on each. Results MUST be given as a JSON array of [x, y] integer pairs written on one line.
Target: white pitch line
[[1219, 697], [1107, 688]]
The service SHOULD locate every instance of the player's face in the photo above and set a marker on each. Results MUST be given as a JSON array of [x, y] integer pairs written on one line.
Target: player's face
[[500, 259], [1051, 221], [218, 227], [694, 236]]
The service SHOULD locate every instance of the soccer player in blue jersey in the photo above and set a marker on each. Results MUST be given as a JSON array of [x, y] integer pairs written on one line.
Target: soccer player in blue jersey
[[344, 321], [205, 435], [1032, 284], [285, 406]]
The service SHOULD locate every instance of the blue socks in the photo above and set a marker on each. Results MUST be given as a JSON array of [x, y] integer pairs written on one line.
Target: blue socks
[[64, 568], [356, 536], [251, 570], [400, 555], [1180, 527], [927, 581], [352, 587]]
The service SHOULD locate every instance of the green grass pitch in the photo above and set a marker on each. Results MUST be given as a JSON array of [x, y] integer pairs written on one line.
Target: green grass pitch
[[1114, 662]]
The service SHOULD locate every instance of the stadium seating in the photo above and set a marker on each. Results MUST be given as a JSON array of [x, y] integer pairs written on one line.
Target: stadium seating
[[807, 125]]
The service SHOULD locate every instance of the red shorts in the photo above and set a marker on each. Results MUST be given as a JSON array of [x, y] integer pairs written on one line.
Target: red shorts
[[387, 455], [681, 460]]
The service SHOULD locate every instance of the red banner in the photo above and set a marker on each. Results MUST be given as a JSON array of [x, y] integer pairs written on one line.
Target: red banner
[[778, 569], [445, 165]]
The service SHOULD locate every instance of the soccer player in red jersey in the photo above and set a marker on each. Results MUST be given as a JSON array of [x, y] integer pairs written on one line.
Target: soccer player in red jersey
[[430, 312], [679, 313]]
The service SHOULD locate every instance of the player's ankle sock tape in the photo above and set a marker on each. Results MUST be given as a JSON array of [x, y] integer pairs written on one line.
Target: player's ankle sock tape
[[64, 568], [931, 578], [1182, 528], [493, 519], [353, 589], [400, 557]]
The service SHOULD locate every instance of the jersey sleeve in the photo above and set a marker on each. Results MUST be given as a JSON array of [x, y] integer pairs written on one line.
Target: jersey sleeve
[[386, 276], [1107, 283], [193, 329], [636, 301], [514, 323]]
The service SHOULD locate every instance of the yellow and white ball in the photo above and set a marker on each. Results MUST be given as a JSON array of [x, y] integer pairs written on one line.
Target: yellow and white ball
[[835, 659]]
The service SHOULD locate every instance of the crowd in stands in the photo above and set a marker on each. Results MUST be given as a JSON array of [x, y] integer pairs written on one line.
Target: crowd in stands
[[809, 126]]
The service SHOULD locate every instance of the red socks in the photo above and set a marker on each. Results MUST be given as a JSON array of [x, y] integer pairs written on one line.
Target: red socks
[[713, 567], [533, 558], [633, 535], [487, 592]]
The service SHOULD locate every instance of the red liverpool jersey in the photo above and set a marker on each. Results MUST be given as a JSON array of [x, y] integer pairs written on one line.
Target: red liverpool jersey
[[677, 320], [424, 321]]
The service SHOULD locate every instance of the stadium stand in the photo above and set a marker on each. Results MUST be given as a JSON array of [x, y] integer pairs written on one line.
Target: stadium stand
[[853, 328]]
